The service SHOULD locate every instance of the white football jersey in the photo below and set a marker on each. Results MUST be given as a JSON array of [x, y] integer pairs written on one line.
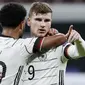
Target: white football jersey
[[45, 69], [13, 55]]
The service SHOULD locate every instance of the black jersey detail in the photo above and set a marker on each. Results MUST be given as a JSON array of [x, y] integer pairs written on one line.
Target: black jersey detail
[[66, 52], [18, 75], [37, 45]]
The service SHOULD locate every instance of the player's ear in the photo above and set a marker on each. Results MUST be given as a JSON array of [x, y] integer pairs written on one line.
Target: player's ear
[[28, 21], [22, 24]]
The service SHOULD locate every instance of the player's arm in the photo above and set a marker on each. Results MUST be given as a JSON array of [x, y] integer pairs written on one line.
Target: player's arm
[[78, 49], [49, 42], [34, 45], [40, 44]]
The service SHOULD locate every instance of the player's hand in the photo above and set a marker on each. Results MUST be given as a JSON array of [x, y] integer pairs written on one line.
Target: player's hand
[[52, 31], [69, 31], [74, 35]]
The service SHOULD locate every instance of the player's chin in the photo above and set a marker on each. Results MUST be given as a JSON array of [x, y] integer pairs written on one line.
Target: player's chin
[[42, 35]]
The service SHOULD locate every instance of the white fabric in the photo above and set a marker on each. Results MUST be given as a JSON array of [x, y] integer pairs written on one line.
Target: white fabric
[[13, 53], [45, 68]]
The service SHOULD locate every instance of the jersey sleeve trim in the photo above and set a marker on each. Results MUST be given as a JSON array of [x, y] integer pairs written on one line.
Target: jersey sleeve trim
[[66, 52], [38, 44]]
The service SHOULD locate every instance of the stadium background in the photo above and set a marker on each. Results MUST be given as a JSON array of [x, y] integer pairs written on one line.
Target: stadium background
[[65, 13]]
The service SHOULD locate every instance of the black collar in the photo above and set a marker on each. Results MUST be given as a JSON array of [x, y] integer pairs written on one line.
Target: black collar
[[5, 36]]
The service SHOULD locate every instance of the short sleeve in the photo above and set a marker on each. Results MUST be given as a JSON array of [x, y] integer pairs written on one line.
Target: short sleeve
[[33, 45], [65, 56], [29, 44]]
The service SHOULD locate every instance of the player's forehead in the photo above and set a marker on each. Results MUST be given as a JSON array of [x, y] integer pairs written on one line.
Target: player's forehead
[[42, 16]]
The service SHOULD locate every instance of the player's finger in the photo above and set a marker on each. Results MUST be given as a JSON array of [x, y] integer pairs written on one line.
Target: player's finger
[[74, 36], [55, 31], [71, 36], [69, 31], [50, 32]]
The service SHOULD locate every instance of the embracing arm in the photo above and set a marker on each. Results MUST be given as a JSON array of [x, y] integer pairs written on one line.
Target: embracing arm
[[56, 40], [49, 42], [53, 41]]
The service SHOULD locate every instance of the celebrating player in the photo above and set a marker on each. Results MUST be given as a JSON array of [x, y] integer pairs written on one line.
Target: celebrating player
[[14, 50], [48, 68]]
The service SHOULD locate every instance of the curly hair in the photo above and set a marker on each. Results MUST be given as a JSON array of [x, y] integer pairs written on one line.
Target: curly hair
[[12, 14]]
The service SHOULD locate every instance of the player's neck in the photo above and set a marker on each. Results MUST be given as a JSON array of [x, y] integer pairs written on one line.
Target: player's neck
[[10, 32], [32, 35]]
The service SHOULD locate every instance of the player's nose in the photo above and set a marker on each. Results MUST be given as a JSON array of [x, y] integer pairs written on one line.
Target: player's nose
[[43, 24]]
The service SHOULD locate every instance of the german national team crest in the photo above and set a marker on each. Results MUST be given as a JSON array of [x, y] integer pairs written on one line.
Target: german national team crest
[[42, 57]]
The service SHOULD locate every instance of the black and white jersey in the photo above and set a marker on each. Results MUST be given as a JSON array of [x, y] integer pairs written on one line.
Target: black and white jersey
[[49, 68], [45, 69], [13, 55]]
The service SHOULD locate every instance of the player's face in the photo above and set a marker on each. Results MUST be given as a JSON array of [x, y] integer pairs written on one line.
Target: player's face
[[40, 24]]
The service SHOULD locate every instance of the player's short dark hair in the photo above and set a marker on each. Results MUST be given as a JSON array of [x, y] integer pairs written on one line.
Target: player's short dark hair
[[39, 7], [12, 14]]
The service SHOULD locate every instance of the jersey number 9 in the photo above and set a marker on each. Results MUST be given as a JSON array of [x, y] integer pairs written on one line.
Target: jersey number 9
[[31, 71]]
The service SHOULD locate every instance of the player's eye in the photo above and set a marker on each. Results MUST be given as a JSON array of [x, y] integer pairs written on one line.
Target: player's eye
[[38, 19], [47, 20]]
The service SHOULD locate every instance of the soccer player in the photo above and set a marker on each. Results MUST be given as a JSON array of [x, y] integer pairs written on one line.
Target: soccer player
[[48, 68], [14, 51]]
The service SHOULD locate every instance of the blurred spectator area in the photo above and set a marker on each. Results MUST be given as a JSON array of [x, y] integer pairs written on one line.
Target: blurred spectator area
[[49, 1]]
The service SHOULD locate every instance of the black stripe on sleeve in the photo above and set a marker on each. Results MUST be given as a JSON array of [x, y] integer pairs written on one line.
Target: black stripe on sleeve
[[37, 44], [66, 52], [61, 77]]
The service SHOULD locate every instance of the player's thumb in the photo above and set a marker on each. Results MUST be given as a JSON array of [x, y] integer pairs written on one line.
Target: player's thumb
[[69, 31]]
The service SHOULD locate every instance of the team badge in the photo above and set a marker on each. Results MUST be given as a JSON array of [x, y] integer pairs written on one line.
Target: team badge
[[42, 57]]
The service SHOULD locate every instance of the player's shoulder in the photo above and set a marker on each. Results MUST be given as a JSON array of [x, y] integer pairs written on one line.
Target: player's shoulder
[[30, 39], [25, 41]]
